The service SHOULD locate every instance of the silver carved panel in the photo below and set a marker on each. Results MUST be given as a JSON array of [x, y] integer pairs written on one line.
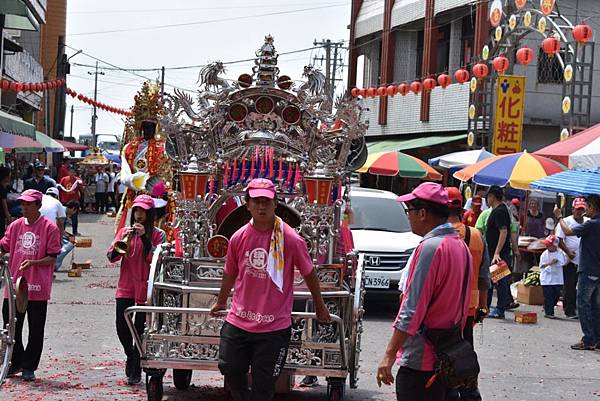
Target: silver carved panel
[[304, 356], [191, 351]]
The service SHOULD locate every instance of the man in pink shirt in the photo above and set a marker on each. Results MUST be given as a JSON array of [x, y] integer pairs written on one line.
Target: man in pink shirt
[[432, 298], [260, 265], [33, 242]]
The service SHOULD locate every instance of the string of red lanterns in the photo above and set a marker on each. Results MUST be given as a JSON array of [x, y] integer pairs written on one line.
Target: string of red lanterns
[[97, 104], [14, 86], [582, 33]]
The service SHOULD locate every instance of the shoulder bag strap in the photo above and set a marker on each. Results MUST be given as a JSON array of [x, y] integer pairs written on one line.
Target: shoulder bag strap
[[467, 235]]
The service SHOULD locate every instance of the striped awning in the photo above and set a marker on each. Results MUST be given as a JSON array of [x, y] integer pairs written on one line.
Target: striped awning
[[571, 182], [50, 145]]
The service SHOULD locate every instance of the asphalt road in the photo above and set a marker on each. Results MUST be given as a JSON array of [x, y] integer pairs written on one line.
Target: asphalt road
[[83, 361]]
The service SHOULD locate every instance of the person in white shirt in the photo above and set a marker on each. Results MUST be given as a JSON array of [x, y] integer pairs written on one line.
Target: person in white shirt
[[57, 213], [102, 179], [570, 245], [111, 201], [551, 276]]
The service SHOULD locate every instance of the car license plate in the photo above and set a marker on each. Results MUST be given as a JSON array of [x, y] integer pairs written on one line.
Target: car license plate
[[373, 281]]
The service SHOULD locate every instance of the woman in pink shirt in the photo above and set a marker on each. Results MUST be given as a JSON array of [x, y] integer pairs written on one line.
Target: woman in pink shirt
[[33, 242], [142, 238]]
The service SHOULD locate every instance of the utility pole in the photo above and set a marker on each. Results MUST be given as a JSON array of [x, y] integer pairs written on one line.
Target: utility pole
[[162, 81], [71, 126], [330, 70], [94, 116]]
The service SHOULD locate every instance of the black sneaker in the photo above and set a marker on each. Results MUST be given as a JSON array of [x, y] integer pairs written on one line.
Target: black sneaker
[[28, 375], [512, 305], [572, 317], [309, 381], [13, 371], [128, 366], [135, 378], [550, 316]]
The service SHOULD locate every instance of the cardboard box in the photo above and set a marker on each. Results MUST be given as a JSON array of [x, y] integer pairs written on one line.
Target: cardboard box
[[83, 242], [530, 295], [526, 317]]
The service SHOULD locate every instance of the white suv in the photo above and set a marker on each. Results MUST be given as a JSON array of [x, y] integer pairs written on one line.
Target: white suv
[[381, 232]]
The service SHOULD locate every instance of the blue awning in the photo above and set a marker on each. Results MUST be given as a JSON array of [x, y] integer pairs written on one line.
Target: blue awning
[[571, 182]]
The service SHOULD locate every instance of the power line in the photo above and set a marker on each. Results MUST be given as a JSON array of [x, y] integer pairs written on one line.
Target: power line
[[153, 10], [207, 21]]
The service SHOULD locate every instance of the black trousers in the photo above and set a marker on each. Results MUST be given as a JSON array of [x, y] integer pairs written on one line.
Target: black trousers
[[410, 386], [263, 353], [125, 337], [111, 201], [465, 394], [28, 357], [100, 202], [570, 289]]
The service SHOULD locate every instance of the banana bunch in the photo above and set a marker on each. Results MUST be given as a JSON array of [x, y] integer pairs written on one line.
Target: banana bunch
[[532, 280]]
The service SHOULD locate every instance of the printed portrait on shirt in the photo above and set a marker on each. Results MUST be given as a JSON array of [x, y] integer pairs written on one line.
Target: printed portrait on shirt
[[256, 263], [29, 243]]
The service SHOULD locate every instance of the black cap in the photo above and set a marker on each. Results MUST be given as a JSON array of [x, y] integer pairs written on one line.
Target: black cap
[[39, 165], [497, 191]]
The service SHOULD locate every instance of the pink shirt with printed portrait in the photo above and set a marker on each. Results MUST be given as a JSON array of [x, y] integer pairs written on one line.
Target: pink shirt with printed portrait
[[258, 306], [24, 241]]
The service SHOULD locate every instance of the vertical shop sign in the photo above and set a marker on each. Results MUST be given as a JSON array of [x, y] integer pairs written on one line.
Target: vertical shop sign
[[508, 123]]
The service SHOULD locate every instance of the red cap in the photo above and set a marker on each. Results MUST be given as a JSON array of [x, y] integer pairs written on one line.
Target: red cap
[[31, 195], [455, 199], [477, 200], [515, 201], [579, 203], [551, 240], [143, 201], [261, 187], [427, 191]]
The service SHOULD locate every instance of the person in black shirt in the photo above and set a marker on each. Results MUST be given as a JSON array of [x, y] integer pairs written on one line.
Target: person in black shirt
[[5, 217], [498, 241], [39, 181]]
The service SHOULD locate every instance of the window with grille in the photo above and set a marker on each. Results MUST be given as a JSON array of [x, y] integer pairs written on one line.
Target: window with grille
[[549, 70]]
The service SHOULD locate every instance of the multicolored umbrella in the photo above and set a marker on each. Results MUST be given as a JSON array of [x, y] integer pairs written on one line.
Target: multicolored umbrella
[[580, 151], [516, 170], [398, 163], [21, 144]]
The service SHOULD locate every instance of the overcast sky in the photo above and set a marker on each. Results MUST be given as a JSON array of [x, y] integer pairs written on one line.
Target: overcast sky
[[225, 30]]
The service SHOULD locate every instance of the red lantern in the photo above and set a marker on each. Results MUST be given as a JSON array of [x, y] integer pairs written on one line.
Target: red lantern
[[363, 92], [371, 92], [318, 190], [551, 45], [461, 76], [80, 97], [480, 70], [4, 84], [12, 86], [73, 93], [27, 87], [403, 89], [444, 80], [391, 90], [501, 64], [381, 91], [525, 55], [416, 87], [18, 86], [583, 33], [429, 84], [355, 92]]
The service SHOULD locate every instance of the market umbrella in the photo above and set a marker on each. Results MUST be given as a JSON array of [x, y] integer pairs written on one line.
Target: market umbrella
[[580, 151], [50, 145], [571, 182], [21, 144], [461, 159], [516, 170], [397, 163]]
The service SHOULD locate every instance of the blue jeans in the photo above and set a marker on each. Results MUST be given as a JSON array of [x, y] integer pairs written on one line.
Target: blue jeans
[[588, 308], [551, 295], [67, 247]]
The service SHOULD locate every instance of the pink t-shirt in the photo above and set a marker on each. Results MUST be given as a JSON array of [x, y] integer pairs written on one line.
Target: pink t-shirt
[[258, 306], [32, 241], [133, 280]]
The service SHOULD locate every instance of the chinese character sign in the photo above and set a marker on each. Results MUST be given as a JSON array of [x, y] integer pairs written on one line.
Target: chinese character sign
[[508, 124]]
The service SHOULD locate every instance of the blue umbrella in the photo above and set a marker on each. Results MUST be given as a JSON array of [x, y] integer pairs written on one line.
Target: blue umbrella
[[113, 158], [571, 182]]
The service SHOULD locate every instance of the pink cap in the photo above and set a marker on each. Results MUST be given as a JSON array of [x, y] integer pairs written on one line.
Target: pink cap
[[143, 201], [261, 187], [579, 203], [551, 240], [427, 191], [31, 195]]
